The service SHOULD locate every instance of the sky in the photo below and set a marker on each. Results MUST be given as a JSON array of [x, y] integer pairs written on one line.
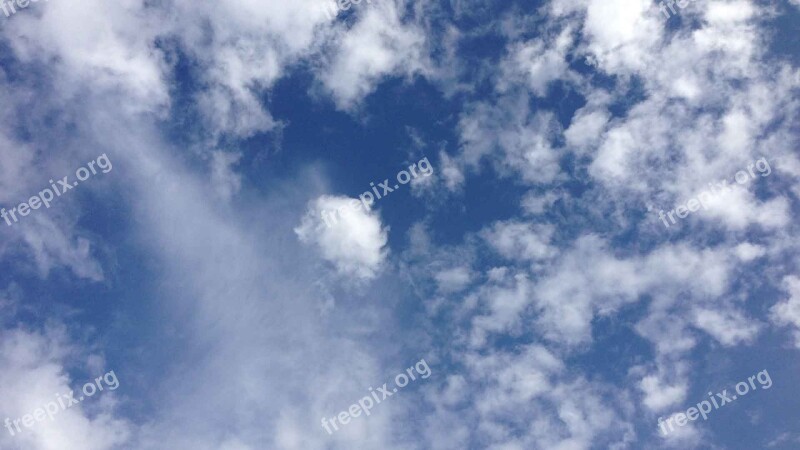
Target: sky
[[396, 225]]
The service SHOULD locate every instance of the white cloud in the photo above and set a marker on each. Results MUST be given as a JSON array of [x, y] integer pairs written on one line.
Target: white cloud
[[685, 436], [659, 395], [597, 282], [623, 31], [32, 369], [225, 180], [454, 279], [353, 239], [729, 12], [512, 137], [728, 327], [665, 147], [611, 162], [787, 312], [533, 204], [748, 252], [739, 208], [51, 246], [113, 48], [244, 294], [504, 303], [538, 62], [239, 113], [378, 45], [521, 241], [17, 160], [452, 174], [243, 48], [586, 128], [526, 400]]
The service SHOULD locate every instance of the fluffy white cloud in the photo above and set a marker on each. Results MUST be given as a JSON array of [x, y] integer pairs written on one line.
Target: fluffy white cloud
[[53, 247], [739, 208], [379, 44], [586, 128], [346, 234], [33, 368], [728, 327], [512, 137], [538, 62], [453, 280], [242, 48], [526, 400], [659, 395], [451, 173], [533, 204], [622, 31], [504, 301], [521, 241], [686, 436], [595, 281], [748, 252], [787, 312], [113, 49]]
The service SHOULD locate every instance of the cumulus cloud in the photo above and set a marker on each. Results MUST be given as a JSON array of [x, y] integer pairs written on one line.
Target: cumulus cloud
[[524, 400], [451, 173], [33, 367], [454, 280], [380, 44], [728, 327], [538, 62], [504, 302], [515, 139], [623, 31], [346, 234], [521, 241], [597, 281], [586, 128], [659, 395], [533, 204], [787, 312], [748, 252]]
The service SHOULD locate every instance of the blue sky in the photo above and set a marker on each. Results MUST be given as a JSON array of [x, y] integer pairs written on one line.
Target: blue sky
[[524, 261]]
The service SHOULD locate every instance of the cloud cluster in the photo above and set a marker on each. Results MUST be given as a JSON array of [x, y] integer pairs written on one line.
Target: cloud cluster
[[510, 310]]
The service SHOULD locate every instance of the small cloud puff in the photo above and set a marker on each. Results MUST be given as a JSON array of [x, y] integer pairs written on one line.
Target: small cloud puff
[[346, 235]]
